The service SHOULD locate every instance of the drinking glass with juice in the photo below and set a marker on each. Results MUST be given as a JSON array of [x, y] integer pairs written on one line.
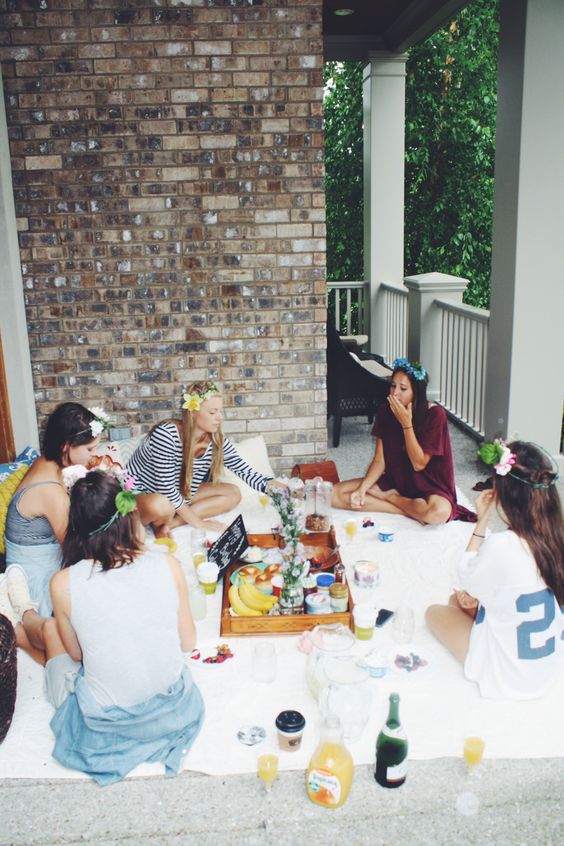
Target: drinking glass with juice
[[473, 751], [267, 768], [351, 529], [264, 499]]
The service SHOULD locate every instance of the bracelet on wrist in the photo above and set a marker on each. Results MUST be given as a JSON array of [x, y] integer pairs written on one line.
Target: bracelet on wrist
[[476, 535], [406, 427]]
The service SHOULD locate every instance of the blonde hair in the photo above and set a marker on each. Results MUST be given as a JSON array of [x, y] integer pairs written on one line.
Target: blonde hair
[[187, 432]]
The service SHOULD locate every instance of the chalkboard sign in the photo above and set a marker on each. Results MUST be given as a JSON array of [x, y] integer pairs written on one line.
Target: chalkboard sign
[[229, 546]]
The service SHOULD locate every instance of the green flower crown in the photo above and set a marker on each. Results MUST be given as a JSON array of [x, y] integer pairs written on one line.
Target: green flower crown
[[503, 460], [125, 501]]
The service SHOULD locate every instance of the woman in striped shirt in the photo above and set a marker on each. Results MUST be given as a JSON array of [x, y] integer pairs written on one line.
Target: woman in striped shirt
[[178, 465]]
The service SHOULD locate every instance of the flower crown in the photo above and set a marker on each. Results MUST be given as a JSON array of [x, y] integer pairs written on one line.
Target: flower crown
[[193, 401], [125, 501], [414, 369], [499, 454], [96, 427]]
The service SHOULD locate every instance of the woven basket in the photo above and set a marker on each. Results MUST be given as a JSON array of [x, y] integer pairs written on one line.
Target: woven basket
[[8, 675]]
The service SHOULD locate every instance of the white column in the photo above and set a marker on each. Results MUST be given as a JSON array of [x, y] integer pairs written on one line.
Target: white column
[[424, 321], [525, 375], [13, 327], [384, 146]]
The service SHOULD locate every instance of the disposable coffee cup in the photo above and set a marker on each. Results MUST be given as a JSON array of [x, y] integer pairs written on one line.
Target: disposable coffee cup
[[290, 727], [208, 573], [364, 621]]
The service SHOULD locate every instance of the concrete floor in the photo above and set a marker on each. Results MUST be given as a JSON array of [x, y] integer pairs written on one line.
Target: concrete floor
[[521, 800]]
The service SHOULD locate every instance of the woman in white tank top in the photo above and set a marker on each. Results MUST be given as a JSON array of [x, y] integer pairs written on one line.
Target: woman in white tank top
[[124, 618]]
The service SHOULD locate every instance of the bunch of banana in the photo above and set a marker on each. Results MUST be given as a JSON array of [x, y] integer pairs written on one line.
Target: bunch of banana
[[253, 597], [239, 606]]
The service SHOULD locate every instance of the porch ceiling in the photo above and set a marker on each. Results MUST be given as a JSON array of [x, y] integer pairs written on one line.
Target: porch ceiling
[[380, 25]]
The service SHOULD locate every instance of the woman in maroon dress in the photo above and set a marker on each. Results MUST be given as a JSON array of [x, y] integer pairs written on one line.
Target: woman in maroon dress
[[412, 472]]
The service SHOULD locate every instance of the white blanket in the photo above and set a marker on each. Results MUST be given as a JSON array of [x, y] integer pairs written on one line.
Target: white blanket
[[439, 707]]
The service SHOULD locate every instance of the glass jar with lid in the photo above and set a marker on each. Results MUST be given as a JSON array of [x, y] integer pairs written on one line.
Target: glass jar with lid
[[318, 495]]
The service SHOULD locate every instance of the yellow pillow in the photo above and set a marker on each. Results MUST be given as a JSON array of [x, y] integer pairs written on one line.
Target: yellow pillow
[[7, 490]]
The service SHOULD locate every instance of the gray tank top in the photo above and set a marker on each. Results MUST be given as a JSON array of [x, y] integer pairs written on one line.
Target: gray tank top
[[28, 531], [126, 621]]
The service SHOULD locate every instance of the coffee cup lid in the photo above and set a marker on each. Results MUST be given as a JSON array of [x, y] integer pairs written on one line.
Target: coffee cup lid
[[290, 721]]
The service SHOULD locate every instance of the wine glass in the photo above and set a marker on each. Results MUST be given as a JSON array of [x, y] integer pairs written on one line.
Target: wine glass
[[351, 528], [263, 667], [467, 802], [403, 624], [267, 769], [473, 751], [263, 499], [199, 546]]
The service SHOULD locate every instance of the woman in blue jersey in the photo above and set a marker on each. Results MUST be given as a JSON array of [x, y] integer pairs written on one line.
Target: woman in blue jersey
[[505, 623], [178, 465]]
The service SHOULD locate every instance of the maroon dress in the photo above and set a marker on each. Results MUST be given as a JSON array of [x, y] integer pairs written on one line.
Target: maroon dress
[[437, 477]]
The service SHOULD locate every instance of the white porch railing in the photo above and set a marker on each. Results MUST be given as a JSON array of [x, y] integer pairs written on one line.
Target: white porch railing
[[464, 346], [393, 303], [349, 302]]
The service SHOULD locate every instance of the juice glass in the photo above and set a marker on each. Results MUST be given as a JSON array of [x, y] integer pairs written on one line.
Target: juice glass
[[473, 751], [267, 768], [263, 499], [351, 529]]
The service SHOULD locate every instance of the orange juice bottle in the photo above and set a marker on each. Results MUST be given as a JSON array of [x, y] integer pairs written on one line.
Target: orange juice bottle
[[330, 772]]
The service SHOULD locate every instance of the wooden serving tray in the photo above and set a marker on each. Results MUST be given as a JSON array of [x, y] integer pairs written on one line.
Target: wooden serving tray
[[281, 623]]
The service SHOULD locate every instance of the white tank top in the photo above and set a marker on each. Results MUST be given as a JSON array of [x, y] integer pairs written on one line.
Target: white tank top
[[126, 621]]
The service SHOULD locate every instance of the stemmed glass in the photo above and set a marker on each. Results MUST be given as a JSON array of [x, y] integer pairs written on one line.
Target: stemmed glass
[[351, 529], [267, 769], [264, 499], [467, 802], [403, 624]]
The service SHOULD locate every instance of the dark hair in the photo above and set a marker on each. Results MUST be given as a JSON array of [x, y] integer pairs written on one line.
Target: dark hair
[[420, 404], [535, 513], [93, 503], [68, 424]]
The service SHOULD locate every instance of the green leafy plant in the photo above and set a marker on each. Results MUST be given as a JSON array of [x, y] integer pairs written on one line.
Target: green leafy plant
[[450, 147]]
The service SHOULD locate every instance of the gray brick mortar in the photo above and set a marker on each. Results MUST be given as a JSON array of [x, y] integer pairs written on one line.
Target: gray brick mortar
[[168, 181]]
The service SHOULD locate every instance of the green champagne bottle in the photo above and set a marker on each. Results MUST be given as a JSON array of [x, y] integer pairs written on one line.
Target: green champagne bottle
[[391, 749]]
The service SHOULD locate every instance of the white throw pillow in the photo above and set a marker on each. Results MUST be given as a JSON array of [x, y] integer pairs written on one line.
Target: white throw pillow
[[253, 451], [120, 451]]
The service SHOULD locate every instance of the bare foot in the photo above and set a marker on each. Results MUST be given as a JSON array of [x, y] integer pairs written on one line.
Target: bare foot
[[214, 525], [386, 495]]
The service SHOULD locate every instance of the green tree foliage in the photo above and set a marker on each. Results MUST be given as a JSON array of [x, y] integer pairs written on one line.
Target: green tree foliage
[[450, 145], [343, 167], [450, 142]]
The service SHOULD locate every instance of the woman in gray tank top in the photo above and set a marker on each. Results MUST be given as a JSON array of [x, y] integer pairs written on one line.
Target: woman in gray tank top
[[37, 517]]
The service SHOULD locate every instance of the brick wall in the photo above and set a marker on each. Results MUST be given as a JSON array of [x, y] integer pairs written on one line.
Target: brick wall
[[168, 176]]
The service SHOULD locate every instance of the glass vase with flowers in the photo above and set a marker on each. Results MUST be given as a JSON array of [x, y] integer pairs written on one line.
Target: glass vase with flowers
[[295, 566]]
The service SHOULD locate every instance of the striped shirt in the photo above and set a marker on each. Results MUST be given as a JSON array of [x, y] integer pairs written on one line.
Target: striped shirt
[[157, 462]]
